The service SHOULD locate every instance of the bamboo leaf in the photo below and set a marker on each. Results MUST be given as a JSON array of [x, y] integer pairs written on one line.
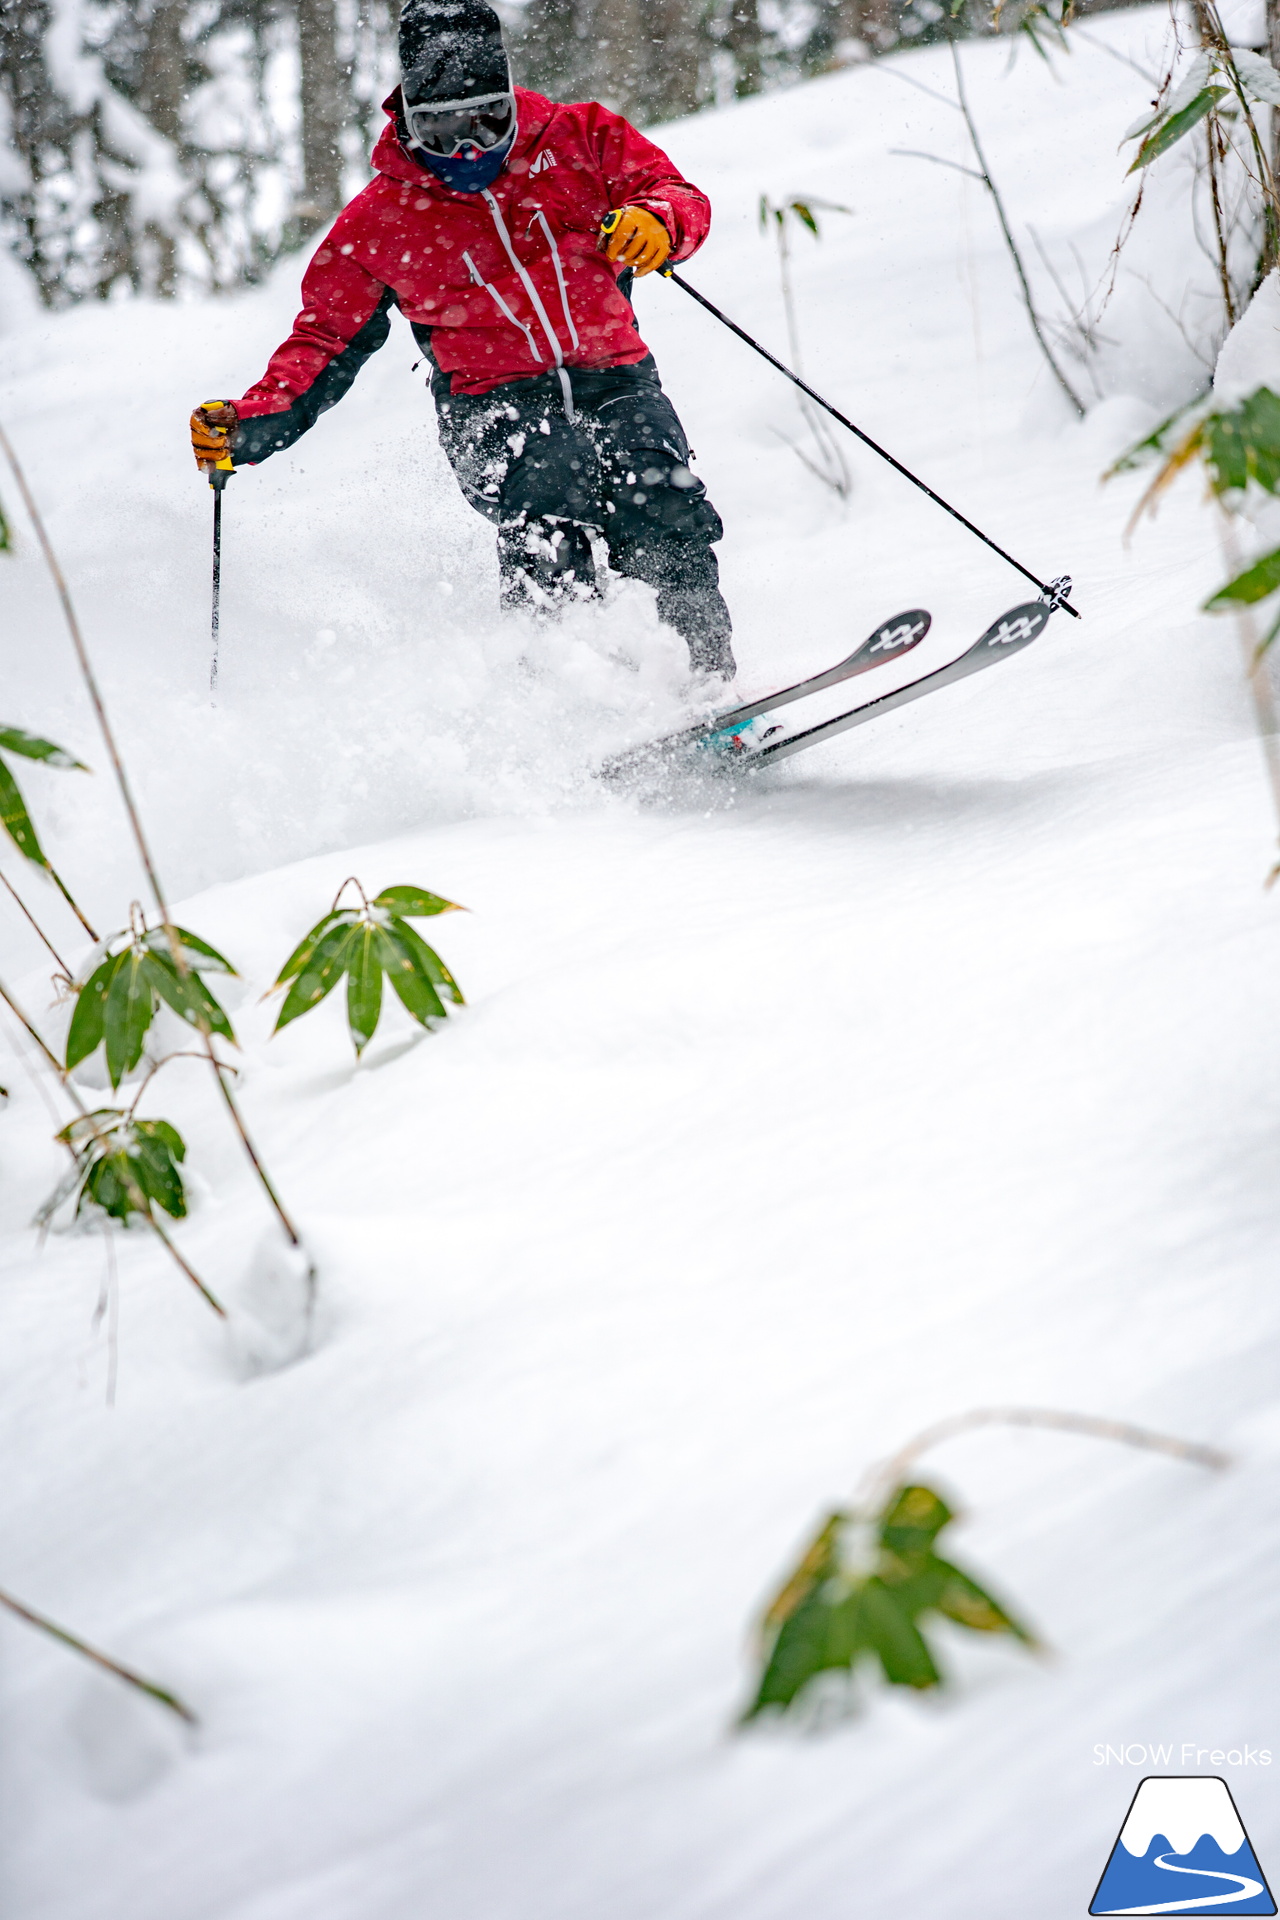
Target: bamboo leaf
[[414, 903], [325, 964], [14, 740], [197, 953], [364, 985], [17, 821], [303, 952], [86, 1029], [1198, 75], [912, 1522], [1254, 584], [410, 980], [830, 1614], [817, 1563], [427, 961], [189, 997], [886, 1627], [805, 1647], [1173, 128], [156, 1153], [963, 1600], [1257, 75], [124, 1165], [128, 1015]]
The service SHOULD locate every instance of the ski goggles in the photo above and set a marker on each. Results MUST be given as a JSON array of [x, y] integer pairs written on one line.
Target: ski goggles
[[444, 126]]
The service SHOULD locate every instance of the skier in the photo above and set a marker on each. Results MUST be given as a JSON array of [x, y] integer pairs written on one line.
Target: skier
[[507, 229]]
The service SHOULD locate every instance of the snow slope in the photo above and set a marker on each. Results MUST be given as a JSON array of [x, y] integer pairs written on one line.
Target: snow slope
[[938, 1068]]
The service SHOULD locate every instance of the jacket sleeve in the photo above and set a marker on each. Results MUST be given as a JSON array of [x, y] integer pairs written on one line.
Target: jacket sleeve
[[345, 317], [638, 174]]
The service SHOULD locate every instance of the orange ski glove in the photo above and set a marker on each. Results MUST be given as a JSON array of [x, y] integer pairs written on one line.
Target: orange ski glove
[[212, 426], [636, 238]]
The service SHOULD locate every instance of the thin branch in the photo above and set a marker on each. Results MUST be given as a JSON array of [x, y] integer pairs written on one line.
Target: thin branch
[[889, 1473], [60, 884], [896, 73], [40, 933], [914, 153], [77, 641], [1115, 53], [83, 1648], [1010, 242]]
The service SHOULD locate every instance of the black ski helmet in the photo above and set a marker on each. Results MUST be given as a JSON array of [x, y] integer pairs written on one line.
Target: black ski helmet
[[451, 50]]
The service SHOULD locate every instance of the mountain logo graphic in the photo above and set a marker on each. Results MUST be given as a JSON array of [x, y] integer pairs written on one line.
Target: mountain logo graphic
[[1183, 1850]]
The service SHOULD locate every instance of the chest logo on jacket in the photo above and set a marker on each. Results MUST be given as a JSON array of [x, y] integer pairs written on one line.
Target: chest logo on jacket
[[543, 163]]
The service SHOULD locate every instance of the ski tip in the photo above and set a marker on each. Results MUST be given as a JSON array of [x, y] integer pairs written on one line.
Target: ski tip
[[896, 635], [1015, 629]]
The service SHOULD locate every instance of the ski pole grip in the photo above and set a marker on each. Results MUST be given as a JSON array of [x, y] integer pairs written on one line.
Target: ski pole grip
[[219, 475]]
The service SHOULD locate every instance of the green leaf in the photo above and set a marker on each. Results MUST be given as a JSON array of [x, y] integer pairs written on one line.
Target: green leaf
[[129, 1010], [189, 997], [963, 1600], [886, 1627], [197, 953], [157, 1150], [912, 1522], [364, 985], [407, 976], [125, 1165], [817, 1563], [1254, 584], [427, 960], [414, 903], [831, 1615], [14, 740], [17, 821], [804, 214], [86, 1029], [323, 967], [1170, 131], [805, 1647], [302, 953]]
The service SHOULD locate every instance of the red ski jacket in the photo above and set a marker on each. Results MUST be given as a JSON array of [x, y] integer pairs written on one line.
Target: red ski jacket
[[497, 285]]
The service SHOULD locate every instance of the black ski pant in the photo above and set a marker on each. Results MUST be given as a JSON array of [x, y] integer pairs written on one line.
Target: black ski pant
[[608, 456]]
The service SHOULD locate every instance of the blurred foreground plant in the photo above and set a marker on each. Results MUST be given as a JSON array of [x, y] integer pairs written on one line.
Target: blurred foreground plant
[[1238, 449], [131, 1679], [14, 817], [871, 1578]]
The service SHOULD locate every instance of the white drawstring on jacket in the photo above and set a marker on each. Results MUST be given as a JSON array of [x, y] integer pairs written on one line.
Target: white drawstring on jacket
[[535, 298]]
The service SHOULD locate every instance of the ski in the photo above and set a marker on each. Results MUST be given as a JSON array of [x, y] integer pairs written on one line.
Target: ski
[[1006, 636], [890, 639]]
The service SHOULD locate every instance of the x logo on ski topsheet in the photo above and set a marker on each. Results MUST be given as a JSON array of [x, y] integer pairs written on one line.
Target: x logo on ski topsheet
[[891, 638], [1024, 627]]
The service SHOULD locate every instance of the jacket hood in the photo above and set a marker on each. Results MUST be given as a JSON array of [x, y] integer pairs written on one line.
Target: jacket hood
[[391, 158]]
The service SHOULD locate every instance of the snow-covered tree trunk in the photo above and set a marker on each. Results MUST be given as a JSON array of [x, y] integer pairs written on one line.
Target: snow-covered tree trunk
[[325, 110]]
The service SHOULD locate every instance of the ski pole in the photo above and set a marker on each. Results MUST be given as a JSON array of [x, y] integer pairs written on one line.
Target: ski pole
[[218, 478], [1054, 591]]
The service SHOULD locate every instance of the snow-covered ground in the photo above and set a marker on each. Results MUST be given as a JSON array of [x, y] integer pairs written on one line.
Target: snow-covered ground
[[940, 1067]]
